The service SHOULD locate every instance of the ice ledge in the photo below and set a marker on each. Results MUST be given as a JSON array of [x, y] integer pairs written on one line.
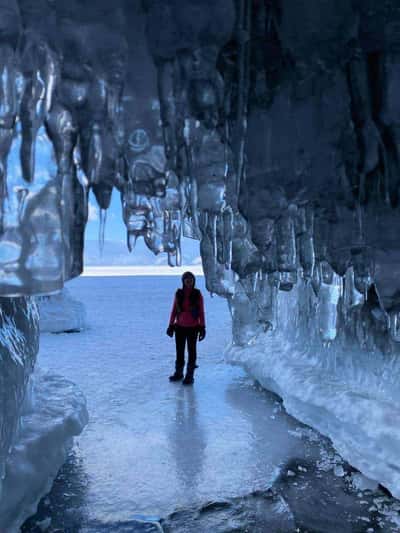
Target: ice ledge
[[57, 415], [360, 415]]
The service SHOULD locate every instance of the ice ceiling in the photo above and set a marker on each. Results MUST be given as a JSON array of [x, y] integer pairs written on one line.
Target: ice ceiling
[[267, 129]]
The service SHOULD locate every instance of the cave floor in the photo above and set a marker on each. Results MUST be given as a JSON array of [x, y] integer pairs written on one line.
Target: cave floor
[[220, 456]]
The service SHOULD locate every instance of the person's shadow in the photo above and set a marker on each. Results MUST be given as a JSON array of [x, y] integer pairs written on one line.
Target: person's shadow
[[187, 441]]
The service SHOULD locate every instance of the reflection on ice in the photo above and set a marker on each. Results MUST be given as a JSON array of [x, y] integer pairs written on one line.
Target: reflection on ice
[[187, 440]]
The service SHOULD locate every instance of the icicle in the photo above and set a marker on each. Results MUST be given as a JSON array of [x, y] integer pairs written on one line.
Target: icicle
[[356, 298], [8, 112], [300, 221], [6, 137], [307, 255], [316, 279], [362, 270], [102, 229], [306, 244], [186, 131], [131, 240], [176, 232], [329, 295], [220, 236], [166, 223], [85, 195], [326, 272], [274, 301], [169, 227], [3, 173], [183, 197], [286, 248], [193, 193], [194, 204], [226, 151], [81, 177], [265, 299], [255, 280], [178, 253], [31, 117], [95, 154], [213, 230], [244, 30], [51, 75], [227, 236], [394, 325], [21, 193]]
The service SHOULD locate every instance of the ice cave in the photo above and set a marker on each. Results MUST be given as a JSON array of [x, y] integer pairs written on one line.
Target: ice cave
[[267, 134]]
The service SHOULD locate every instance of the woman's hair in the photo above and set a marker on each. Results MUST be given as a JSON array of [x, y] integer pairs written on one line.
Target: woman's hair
[[188, 274]]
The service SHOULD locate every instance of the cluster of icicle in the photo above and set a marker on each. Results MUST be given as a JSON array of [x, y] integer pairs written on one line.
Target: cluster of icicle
[[248, 257], [62, 81]]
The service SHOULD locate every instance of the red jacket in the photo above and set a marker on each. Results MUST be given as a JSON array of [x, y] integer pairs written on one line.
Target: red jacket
[[185, 317]]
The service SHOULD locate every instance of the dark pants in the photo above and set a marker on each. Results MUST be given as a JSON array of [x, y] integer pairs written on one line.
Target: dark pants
[[183, 336]]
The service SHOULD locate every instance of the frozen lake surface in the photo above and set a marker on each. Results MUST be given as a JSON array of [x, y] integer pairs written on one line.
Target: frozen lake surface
[[158, 453]]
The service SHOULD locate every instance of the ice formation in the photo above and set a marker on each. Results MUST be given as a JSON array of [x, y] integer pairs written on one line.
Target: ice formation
[[267, 130], [60, 313], [347, 391], [54, 412], [39, 415], [19, 337]]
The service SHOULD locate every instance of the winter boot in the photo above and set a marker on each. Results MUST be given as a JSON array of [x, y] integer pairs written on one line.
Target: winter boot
[[189, 377], [177, 376]]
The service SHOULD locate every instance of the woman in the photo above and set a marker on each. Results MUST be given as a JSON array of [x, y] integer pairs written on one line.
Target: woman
[[187, 322]]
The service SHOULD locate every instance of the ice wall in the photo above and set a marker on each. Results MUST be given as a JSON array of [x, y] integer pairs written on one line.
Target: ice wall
[[326, 356], [19, 335]]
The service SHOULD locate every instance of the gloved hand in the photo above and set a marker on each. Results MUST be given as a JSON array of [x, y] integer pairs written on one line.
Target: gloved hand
[[202, 333], [170, 331]]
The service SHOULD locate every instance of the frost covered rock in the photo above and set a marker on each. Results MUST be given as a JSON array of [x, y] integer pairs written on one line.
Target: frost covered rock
[[55, 414], [61, 313]]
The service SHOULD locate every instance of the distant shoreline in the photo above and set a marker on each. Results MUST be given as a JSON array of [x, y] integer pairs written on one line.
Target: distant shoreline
[[140, 270]]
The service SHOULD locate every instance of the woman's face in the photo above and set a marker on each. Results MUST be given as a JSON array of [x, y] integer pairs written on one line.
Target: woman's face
[[188, 282]]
